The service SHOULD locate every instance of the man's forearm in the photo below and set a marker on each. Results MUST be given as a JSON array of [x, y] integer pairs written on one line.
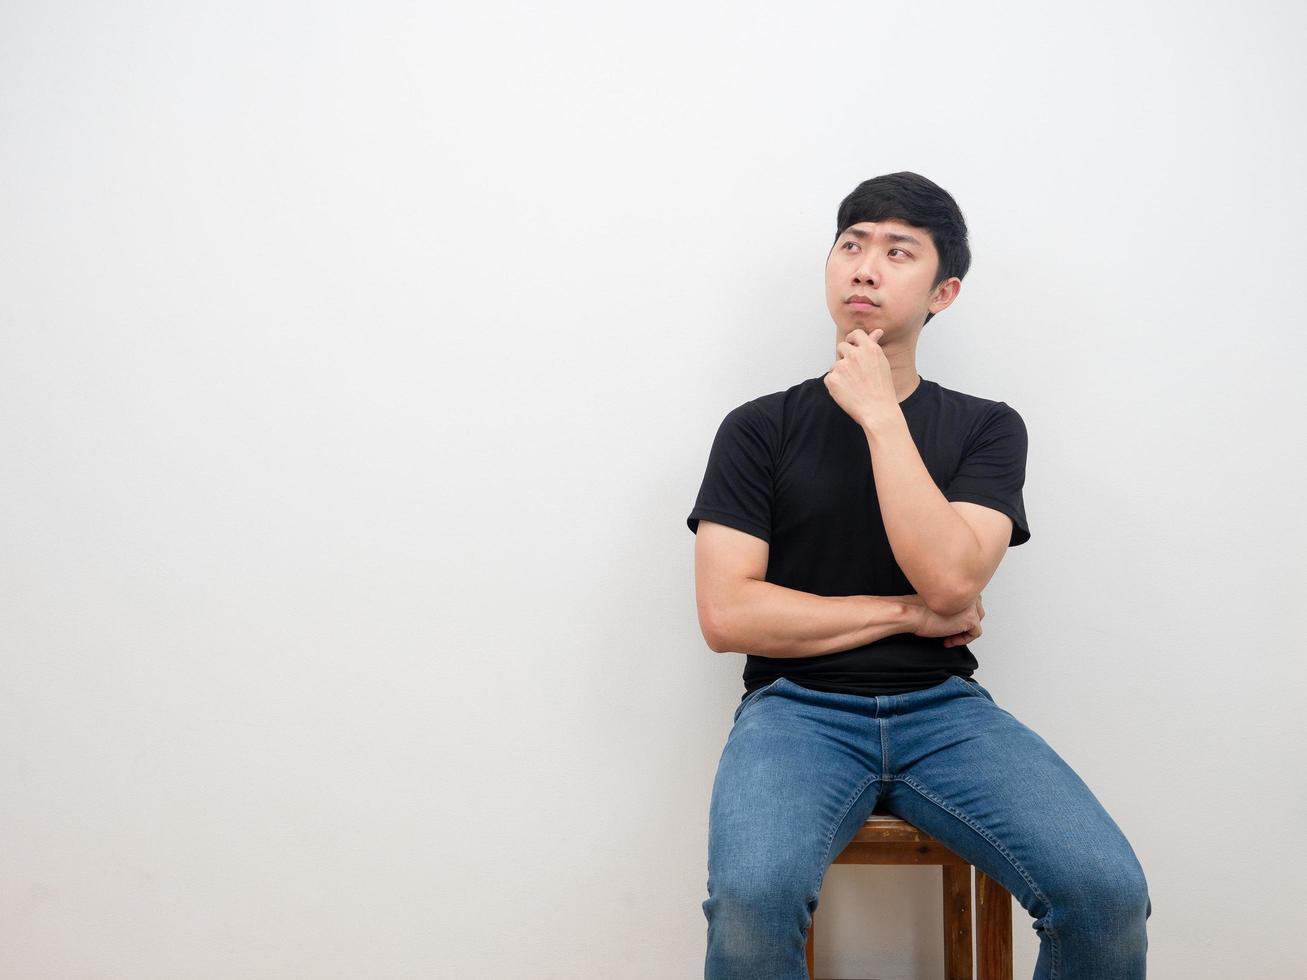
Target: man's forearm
[[770, 620], [935, 548]]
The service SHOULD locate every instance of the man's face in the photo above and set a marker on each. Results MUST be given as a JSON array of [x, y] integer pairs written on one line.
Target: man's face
[[892, 264]]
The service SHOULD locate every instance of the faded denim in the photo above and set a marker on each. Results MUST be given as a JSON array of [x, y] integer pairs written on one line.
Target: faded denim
[[802, 770]]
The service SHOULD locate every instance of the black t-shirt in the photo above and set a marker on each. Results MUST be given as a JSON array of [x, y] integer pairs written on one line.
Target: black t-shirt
[[794, 469]]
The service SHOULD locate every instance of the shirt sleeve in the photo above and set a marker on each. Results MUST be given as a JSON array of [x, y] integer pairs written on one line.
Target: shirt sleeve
[[737, 484], [993, 468]]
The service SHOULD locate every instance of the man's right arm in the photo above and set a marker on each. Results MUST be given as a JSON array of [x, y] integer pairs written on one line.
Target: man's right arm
[[770, 620], [740, 611]]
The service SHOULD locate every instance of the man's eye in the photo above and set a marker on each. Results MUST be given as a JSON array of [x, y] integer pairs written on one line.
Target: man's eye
[[898, 250], [847, 244]]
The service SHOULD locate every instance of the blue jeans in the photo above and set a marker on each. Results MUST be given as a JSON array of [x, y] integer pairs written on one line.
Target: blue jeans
[[802, 770]]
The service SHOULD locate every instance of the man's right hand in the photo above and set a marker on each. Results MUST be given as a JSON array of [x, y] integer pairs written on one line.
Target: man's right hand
[[958, 629]]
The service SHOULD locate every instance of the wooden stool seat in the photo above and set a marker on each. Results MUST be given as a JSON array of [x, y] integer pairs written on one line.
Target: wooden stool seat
[[887, 839]]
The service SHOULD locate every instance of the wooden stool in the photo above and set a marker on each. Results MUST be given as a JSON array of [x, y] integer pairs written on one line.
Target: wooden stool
[[885, 839]]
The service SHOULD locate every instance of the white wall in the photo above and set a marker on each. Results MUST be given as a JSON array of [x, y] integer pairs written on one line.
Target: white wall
[[360, 364]]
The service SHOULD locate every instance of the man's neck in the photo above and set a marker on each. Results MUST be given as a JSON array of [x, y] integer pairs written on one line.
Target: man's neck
[[906, 381]]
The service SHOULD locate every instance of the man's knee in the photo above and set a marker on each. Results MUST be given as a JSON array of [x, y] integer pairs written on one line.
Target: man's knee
[[756, 886], [758, 916], [1109, 893]]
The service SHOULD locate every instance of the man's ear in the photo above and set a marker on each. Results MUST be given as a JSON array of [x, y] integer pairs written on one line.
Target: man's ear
[[946, 292]]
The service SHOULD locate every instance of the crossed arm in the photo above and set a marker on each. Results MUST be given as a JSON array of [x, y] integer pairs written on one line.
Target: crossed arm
[[949, 550]]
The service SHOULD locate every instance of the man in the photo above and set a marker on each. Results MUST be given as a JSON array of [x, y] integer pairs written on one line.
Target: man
[[845, 529]]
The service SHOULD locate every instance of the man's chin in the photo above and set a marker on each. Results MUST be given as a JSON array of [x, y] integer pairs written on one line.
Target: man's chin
[[885, 330]]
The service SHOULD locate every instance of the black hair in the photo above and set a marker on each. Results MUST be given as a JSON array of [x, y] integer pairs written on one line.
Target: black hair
[[917, 201]]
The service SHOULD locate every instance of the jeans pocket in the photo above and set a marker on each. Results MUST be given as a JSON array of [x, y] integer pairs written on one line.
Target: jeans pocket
[[753, 696], [976, 688]]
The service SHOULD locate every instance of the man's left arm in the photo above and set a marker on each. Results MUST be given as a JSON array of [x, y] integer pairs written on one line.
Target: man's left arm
[[949, 550]]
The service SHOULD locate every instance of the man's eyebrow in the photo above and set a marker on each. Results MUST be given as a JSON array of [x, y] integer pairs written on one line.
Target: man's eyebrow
[[893, 236]]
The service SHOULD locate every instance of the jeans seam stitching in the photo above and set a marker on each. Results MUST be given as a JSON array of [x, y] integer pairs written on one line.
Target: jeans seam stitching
[[939, 801], [830, 836], [885, 769]]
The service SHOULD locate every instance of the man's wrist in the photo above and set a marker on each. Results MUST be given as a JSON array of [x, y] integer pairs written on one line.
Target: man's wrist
[[896, 614], [914, 615], [877, 427]]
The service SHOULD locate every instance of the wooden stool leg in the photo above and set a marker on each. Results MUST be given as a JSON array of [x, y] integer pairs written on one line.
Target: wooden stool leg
[[957, 921], [812, 929], [993, 928]]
